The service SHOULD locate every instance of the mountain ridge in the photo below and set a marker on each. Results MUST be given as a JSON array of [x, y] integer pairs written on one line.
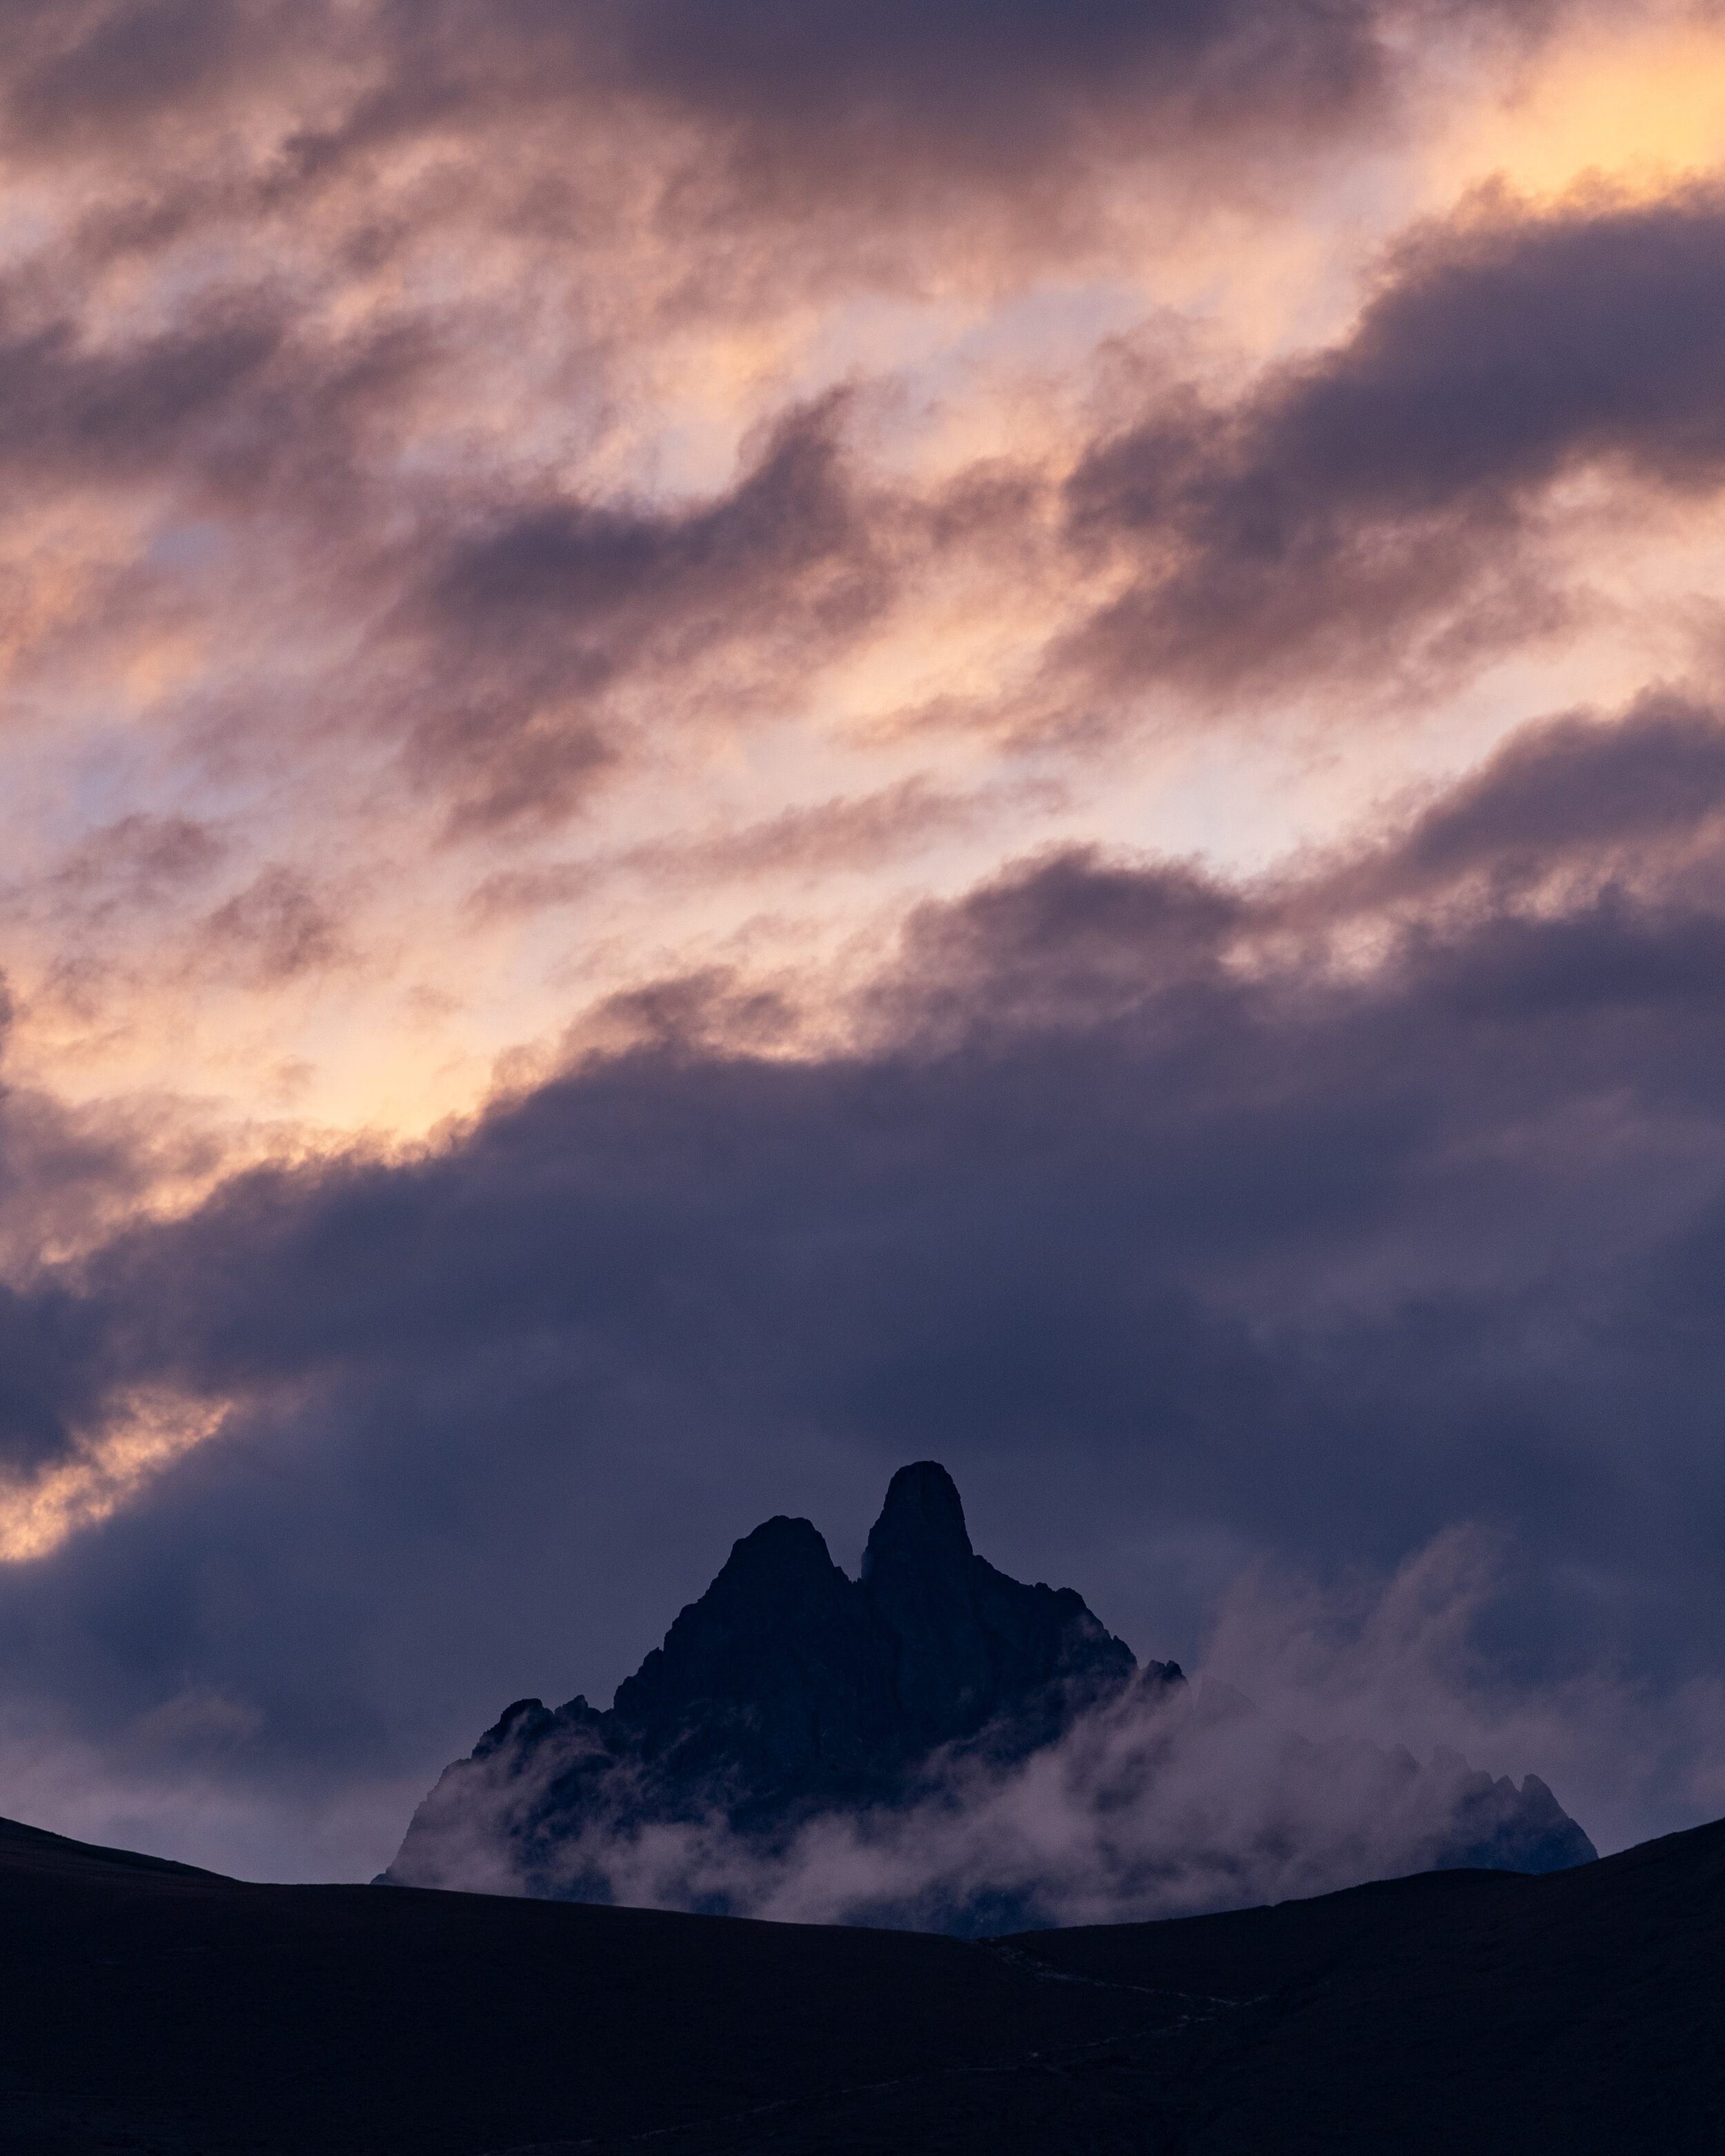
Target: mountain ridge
[[790, 1700]]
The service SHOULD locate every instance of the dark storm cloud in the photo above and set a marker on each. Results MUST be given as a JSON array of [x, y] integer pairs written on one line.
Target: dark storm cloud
[[1380, 504], [964, 83], [568, 562], [536, 614], [90, 63], [1121, 1207], [232, 411], [1568, 799], [825, 98], [63, 1172], [878, 103], [70, 411], [37, 1389]]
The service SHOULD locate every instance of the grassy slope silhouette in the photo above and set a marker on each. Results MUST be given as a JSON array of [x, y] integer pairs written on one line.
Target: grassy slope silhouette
[[153, 2008]]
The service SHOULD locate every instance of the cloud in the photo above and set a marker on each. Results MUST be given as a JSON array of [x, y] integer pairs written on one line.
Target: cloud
[[1407, 481], [381, 427], [819, 839], [1568, 804], [536, 617], [669, 491], [1401, 483], [950, 85], [133, 863], [1142, 1198], [142, 1436], [956, 86], [90, 66], [275, 928]]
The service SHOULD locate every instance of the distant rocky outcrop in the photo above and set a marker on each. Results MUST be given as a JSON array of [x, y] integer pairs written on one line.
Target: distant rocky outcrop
[[789, 1689], [1496, 1827], [791, 1696]]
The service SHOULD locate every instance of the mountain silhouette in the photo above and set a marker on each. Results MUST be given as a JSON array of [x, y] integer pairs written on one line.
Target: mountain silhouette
[[790, 1693]]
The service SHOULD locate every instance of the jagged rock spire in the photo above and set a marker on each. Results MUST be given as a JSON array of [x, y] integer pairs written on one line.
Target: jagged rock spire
[[921, 1523], [789, 1687]]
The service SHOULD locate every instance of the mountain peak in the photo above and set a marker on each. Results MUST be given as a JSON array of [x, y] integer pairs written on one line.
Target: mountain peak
[[787, 1688], [922, 1522], [779, 1548], [789, 1694]]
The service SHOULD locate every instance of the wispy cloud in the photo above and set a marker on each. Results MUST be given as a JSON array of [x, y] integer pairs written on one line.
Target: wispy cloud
[[142, 1433]]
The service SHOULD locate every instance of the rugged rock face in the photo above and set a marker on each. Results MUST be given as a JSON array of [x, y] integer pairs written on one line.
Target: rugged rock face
[[788, 1686], [1497, 1827], [790, 1695], [789, 1689]]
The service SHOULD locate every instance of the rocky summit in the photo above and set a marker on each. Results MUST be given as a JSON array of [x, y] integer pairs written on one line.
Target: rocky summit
[[790, 1695], [790, 1689]]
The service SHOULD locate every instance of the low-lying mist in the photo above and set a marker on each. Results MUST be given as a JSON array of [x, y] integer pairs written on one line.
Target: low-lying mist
[[1331, 1737]]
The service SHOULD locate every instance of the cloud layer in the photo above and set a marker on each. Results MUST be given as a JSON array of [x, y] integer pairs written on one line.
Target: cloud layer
[[734, 752], [1144, 1199], [1160, 1803]]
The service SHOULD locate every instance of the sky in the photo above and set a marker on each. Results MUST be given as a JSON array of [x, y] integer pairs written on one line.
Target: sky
[[738, 744]]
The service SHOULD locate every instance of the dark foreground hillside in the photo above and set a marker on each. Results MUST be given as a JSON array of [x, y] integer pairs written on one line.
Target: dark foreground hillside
[[147, 2007]]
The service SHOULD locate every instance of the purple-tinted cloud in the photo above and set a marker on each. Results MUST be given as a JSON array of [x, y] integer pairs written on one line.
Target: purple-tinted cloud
[[1392, 488], [420, 439], [1317, 1257]]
